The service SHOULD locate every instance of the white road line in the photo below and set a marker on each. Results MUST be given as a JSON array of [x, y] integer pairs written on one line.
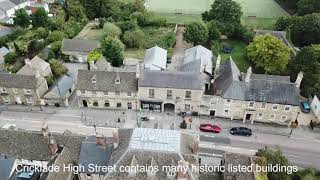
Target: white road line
[[66, 115], [227, 148], [291, 155]]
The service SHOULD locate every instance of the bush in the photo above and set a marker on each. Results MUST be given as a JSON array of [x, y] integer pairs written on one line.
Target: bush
[[50, 80], [40, 33], [134, 39], [56, 36], [51, 55], [128, 25], [111, 30], [183, 124], [55, 46], [10, 58], [167, 41], [57, 68], [102, 21], [113, 50]]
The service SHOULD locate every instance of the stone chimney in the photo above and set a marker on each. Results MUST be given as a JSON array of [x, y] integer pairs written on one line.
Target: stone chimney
[[299, 79], [37, 74], [133, 171], [151, 172], [115, 138], [101, 140], [45, 129], [182, 171], [138, 71], [92, 66], [217, 68], [27, 62], [195, 144], [248, 75], [53, 146]]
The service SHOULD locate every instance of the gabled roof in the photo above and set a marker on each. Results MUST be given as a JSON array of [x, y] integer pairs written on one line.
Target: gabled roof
[[199, 57], [155, 58], [34, 65], [171, 79], [230, 84], [90, 153], [61, 88], [79, 45], [19, 81], [105, 81], [6, 5]]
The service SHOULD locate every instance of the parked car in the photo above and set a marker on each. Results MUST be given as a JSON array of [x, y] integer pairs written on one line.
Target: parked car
[[241, 131], [144, 118], [210, 128], [182, 114], [305, 107]]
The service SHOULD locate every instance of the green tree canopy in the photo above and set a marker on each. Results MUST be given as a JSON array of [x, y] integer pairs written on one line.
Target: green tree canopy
[[214, 33], [113, 50], [308, 7], [75, 9], [56, 36], [57, 68], [111, 30], [227, 13], [10, 58], [21, 18], [40, 18], [40, 33], [308, 61], [134, 39], [196, 33], [269, 53], [275, 157], [94, 55]]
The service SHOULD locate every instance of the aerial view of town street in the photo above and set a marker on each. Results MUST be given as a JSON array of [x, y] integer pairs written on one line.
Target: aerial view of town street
[[159, 89]]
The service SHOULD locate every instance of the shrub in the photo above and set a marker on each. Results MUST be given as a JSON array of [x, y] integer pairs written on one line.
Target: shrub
[[133, 39], [111, 30], [10, 58], [183, 124]]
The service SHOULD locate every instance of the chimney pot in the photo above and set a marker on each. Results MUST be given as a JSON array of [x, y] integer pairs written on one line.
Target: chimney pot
[[195, 144], [115, 138], [299, 79], [248, 75]]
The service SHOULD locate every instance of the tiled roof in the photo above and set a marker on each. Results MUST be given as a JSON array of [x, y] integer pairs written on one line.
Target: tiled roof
[[171, 79], [18, 81], [230, 84], [106, 81], [79, 45], [61, 88]]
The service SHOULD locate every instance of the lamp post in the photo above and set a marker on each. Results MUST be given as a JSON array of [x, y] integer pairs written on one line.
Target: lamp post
[[294, 124]]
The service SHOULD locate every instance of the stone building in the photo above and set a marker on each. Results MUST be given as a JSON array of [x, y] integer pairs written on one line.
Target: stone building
[[252, 97], [78, 49], [22, 89], [107, 89], [35, 65]]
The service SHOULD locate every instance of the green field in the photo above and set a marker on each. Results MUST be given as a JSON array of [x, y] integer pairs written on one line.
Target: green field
[[256, 8]]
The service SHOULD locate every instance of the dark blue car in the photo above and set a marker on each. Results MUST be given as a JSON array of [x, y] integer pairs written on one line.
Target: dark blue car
[[305, 107]]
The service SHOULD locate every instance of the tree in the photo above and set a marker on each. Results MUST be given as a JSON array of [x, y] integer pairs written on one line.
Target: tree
[[269, 53], [34, 47], [40, 18], [57, 68], [40, 33], [10, 58], [94, 55], [56, 36], [21, 18], [111, 30], [227, 13], [55, 46], [113, 50], [305, 31], [308, 7], [275, 157], [134, 39], [308, 61], [72, 28], [196, 33], [74, 9], [214, 33]]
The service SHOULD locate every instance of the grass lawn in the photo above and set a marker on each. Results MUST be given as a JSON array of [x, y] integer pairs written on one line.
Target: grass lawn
[[259, 23], [238, 55]]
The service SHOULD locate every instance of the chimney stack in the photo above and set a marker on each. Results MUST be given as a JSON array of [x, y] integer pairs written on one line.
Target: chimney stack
[[53, 146], [115, 138], [182, 175], [92, 65], [248, 75], [27, 62], [218, 61], [195, 144], [138, 71], [45, 129], [100, 140], [299, 79]]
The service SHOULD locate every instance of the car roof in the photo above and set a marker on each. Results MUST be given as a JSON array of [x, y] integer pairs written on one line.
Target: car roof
[[306, 105]]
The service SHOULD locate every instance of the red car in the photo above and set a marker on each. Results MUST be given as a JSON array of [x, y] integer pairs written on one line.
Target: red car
[[210, 128]]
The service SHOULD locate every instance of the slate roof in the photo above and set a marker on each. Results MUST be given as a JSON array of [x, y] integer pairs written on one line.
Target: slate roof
[[105, 81], [5, 30], [35, 63], [65, 83], [90, 153], [18, 81], [230, 84], [155, 58], [281, 35], [33, 146], [4, 51], [235, 160], [171, 79], [6, 166], [79, 45], [198, 57], [6, 5], [17, 2]]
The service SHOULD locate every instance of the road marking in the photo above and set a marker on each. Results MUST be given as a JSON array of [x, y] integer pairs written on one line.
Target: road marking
[[208, 154], [228, 148], [312, 140], [291, 155], [66, 115]]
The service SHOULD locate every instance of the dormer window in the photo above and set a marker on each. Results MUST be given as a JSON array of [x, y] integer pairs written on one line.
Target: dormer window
[[3, 89], [117, 81]]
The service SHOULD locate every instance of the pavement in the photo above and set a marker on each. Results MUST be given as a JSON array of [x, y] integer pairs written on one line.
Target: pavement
[[302, 147]]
